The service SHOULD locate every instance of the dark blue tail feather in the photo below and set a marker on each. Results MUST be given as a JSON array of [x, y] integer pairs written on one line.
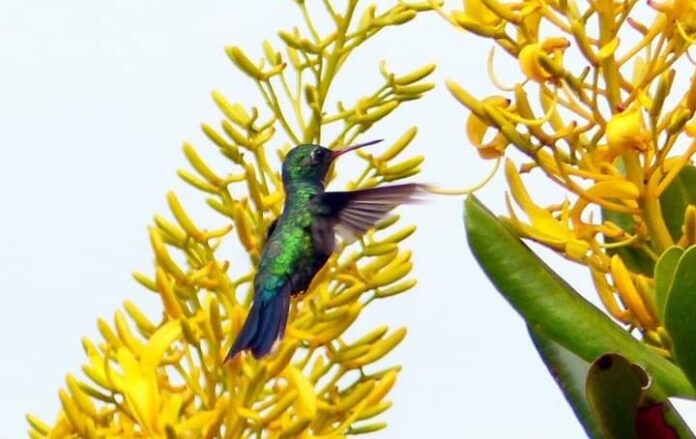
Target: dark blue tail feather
[[265, 324]]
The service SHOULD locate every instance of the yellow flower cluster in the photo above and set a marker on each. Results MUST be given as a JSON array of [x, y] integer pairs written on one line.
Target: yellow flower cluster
[[609, 126], [166, 377]]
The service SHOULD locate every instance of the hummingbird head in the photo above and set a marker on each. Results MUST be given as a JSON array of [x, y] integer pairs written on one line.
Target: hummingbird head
[[310, 163]]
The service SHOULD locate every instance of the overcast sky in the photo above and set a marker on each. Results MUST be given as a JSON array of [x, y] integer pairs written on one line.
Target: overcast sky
[[96, 98]]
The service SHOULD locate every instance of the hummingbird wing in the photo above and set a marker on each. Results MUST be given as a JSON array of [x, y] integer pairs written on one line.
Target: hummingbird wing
[[352, 213]]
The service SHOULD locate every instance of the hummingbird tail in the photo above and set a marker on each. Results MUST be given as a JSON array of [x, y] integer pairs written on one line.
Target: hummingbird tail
[[264, 324]]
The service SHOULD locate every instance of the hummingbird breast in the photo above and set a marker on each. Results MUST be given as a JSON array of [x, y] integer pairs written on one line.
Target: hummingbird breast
[[290, 259]]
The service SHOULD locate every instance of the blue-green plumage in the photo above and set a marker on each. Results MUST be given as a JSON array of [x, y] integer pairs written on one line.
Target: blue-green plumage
[[303, 239]]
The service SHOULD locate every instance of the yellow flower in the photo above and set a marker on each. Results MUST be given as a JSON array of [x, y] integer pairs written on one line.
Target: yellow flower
[[528, 57], [544, 227], [626, 131], [673, 8], [480, 13], [628, 292], [477, 128]]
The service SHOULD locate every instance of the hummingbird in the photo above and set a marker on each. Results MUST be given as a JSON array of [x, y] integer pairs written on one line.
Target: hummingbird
[[303, 237]]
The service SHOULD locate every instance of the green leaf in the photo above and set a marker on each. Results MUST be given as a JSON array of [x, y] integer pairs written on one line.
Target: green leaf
[[676, 197], [680, 313], [624, 408], [551, 306], [570, 372], [664, 273], [652, 417], [614, 388]]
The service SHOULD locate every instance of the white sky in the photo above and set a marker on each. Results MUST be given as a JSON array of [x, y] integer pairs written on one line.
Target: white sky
[[96, 98]]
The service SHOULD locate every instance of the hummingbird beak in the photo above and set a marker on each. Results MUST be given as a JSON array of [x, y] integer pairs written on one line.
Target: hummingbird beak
[[340, 152]]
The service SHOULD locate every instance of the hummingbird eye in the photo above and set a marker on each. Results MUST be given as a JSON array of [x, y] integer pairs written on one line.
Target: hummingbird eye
[[318, 155]]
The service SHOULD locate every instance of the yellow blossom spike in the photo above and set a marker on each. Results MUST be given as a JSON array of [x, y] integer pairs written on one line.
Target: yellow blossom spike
[[124, 333], [606, 295], [380, 249], [359, 393], [243, 62], [387, 222], [170, 412], [280, 407], [374, 410], [377, 113], [379, 349], [158, 344], [38, 425], [283, 358], [400, 169], [81, 399], [171, 234], [95, 371], [372, 336], [378, 263], [237, 137], [406, 92], [328, 331], [141, 391], [382, 388], [398, 146], [645, 287], [678, 119], [215, 320], [144, 324], [107, 333], [348, 295], [72, 412], [164, 287], [415, 75], [689, 227], [350, 353], [182, 217], [370, 428], [145, 281], [391, 273], [235, 112], [629, 294], [200, 166], [396, 289], [306, 403], [163, 257]]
